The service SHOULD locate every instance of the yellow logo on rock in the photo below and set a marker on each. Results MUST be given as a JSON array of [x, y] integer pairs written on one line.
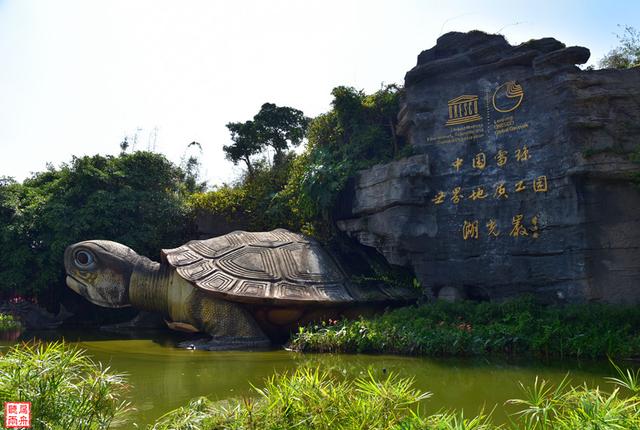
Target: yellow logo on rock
[[507, 97], [463, 109]]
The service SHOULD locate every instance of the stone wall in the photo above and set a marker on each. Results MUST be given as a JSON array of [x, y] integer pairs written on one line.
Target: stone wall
[[522, 182]]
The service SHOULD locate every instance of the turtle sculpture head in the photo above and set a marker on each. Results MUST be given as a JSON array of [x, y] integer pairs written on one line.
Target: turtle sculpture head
[[100, 271]]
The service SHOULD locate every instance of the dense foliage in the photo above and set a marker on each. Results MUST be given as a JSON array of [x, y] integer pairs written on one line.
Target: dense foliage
[[8, 322], [67, 389], [313, 400], [253, 202], [137, 199], [357, 133], [517, 327]]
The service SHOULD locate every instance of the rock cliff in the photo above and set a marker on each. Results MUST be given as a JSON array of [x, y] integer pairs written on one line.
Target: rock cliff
[[523, 182]]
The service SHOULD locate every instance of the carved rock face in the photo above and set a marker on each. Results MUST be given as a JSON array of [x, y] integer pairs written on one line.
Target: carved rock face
[[100, 271], [521, 184]]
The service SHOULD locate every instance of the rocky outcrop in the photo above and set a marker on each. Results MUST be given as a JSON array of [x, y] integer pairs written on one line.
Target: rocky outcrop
[[523, 182]]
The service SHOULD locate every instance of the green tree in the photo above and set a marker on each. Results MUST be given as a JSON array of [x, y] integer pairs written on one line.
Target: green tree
[[252, 202], [627, 54], [245, 143], [277, 127], [280, 128]]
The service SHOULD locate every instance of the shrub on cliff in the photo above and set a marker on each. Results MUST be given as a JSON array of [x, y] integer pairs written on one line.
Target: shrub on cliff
[[358, 132], [300, 191], [137, 199]]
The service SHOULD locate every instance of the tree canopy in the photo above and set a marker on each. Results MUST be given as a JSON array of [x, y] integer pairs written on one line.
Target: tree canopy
[[277, 127], [280, 128]]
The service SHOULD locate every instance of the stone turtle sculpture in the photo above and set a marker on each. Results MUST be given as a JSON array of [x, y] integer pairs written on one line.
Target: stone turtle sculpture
[[244, 289]]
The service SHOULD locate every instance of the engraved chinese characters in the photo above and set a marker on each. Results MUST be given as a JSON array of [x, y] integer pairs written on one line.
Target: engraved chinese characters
[[554, 214], [462, 110]]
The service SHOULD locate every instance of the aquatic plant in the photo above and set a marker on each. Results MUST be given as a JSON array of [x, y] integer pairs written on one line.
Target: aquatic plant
[[518, 327], [66, 388]]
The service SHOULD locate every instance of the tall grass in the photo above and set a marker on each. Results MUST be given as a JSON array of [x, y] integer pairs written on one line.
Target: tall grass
[[313, 400], [66, 388], [306, 399], [565, 407], [519, 327]]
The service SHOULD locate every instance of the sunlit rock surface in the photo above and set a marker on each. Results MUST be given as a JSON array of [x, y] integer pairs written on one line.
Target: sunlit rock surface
[[523, 182]]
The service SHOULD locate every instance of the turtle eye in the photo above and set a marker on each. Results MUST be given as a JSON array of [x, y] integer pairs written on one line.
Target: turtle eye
[[84, 258]]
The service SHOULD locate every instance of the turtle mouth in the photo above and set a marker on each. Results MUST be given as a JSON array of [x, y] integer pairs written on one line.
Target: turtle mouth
[[90, 293], [76, 285]]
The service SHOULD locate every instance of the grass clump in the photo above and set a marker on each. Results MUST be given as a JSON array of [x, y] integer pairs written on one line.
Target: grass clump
[[66, 388], [519, 327], [8, 322], [564, 407], [306, 399]]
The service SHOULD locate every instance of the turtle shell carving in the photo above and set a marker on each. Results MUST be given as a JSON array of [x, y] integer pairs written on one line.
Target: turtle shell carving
[[264, 267]]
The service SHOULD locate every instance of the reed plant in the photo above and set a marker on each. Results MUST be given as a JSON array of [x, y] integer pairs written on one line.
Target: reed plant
[[66, 388]]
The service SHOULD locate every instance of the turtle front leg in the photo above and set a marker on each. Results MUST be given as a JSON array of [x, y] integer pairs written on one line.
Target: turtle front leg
[[230, 325]]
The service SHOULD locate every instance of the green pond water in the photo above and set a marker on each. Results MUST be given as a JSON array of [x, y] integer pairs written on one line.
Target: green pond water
[[164, 377]]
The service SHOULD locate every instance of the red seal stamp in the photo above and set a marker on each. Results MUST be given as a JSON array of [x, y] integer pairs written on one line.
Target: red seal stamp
[[17, 415]]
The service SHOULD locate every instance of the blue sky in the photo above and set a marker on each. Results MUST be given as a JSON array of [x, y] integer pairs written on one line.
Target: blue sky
[[76, 76]]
